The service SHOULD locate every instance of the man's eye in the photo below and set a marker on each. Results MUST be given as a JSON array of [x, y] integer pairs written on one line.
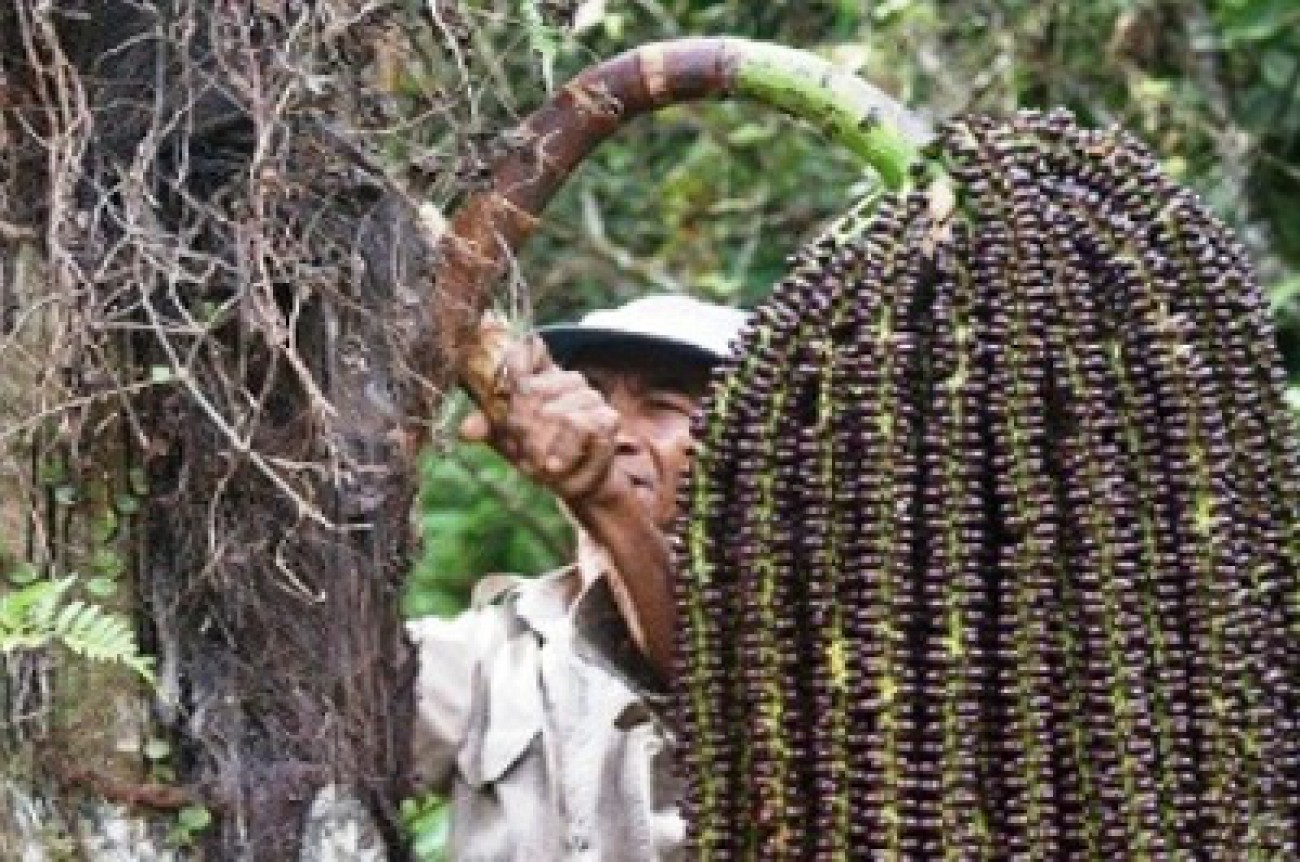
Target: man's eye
[[600, 384], [673, 404]]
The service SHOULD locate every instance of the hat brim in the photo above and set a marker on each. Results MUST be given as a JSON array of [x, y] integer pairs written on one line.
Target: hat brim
[[565, 341]]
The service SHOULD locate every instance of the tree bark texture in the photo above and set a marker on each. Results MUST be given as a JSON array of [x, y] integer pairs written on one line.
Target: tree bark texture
[[240, 280]]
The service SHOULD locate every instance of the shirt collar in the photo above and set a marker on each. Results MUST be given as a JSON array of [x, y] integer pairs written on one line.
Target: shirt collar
[[550, 600], [579, 599], [543, 602]]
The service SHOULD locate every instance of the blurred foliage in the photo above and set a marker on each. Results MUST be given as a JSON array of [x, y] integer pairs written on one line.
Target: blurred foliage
[[427, 821], [478, 516]]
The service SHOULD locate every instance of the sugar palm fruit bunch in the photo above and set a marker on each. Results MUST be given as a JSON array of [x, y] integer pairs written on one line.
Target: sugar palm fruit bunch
[[990, 548]]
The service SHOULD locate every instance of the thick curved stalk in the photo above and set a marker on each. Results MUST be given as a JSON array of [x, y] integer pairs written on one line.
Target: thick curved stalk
[[486, 232]]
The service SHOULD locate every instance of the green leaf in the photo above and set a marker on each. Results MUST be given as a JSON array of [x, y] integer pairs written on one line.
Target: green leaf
[[194, 818], [1277, 67], [543, 38], [126, 504], [46, 604], [104, 527], [52, 471], [36, 615], [107, 562], [1283, 293], [615, 24], [1258, 21], [22, 574], [1293, 399], [30, 609], [101, 587], [888, 8], [65, 495], [751, 133], [157, 749], [161, 374], [138, 480], [849, 14], [420, 602], [427, 822]]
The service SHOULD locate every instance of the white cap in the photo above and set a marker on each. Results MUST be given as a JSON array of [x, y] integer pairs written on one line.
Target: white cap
[[677, 324]]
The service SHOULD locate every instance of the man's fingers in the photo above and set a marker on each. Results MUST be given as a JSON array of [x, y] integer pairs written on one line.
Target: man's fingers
[[552, 384], [476, 428], [557, 429], [578, 461], [589, 473], [564, 453], [526, 358], [538, 356], [548, 411], [557, 436]]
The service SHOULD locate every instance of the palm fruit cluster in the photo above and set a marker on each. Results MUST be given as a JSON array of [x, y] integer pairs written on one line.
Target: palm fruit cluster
[[991, 543]]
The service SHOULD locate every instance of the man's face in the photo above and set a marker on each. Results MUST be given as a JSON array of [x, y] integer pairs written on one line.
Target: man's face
[[655, 396]]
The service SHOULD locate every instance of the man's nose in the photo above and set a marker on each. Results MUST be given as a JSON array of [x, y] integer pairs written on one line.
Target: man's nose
[[629, 439]]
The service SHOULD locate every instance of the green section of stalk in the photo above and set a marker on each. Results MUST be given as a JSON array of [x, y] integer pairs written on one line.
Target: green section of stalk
[[850, 111]]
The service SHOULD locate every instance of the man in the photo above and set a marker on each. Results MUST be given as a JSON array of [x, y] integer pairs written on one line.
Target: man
[[540, 709]]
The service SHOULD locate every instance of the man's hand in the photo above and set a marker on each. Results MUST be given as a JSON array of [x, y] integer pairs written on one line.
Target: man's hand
[[558, 430], [563, 433]]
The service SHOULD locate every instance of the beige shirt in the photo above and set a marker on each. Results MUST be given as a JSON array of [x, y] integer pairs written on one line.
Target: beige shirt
[[536, 714]]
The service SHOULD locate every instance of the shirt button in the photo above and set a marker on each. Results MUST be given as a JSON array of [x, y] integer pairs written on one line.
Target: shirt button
[[578, 842]]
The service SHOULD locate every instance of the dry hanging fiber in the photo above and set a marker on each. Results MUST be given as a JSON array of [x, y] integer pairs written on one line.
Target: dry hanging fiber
[[990, 549]]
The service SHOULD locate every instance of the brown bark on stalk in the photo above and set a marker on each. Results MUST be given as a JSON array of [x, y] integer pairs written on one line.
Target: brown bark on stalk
[[485, 233]]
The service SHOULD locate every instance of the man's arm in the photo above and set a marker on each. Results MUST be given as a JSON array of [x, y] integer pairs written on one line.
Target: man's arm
[[562, 433], [639, 548]]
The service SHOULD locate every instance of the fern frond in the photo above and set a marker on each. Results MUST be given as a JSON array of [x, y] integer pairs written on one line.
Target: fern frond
[[30, 608], [93, 633], [36, 615]]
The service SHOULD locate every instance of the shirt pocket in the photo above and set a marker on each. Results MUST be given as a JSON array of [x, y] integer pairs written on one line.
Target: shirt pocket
[[507, 713]]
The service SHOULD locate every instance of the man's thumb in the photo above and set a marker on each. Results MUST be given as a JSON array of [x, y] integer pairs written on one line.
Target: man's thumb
[[476, 428]]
